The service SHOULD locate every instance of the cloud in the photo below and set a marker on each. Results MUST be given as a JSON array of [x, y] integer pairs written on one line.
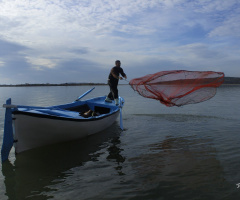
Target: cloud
[[12, 57], [230, 28], [10, 48], [79, 51], [58, 38]]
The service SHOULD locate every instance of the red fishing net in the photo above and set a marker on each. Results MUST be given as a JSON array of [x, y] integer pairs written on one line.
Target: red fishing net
[[178, 87]]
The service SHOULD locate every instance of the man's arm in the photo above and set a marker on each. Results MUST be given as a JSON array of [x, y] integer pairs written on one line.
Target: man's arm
[[123, 74]]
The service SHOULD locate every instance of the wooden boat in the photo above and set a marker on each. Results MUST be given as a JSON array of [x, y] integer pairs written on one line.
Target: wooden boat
[[29, 127]]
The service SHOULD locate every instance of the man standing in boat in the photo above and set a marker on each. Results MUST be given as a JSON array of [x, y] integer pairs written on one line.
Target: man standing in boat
[[113, 79]]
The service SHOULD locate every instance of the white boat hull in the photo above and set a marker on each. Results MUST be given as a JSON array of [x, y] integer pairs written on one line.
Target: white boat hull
[[32, 132]]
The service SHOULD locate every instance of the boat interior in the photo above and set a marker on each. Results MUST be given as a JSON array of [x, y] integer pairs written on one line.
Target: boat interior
[[85, 108]]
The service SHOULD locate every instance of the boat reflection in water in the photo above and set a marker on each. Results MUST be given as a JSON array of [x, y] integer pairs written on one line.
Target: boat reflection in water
[[34, 172]]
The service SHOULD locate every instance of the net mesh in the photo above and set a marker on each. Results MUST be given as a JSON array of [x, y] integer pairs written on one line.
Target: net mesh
[[178, 87]]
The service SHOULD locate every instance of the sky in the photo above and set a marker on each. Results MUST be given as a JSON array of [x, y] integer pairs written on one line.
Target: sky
[[59, 41]]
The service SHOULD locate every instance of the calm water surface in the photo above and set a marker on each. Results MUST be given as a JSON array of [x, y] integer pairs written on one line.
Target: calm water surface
[[190, 152]]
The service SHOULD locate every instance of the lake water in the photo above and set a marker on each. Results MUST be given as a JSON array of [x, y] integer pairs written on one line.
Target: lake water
[[191, 152]]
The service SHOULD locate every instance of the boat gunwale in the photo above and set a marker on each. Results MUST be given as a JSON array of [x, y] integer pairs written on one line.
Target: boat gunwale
[[113, 109]]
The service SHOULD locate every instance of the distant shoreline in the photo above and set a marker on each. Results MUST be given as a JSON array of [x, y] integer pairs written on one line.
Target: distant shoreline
[[51, 84], [227, 81]]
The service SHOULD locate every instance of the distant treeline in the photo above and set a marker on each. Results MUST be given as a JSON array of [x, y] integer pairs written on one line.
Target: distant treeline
[[227, 80], [50, 84], [231, 80]]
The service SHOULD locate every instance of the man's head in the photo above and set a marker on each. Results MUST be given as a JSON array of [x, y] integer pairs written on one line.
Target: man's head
[[118, 63]]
